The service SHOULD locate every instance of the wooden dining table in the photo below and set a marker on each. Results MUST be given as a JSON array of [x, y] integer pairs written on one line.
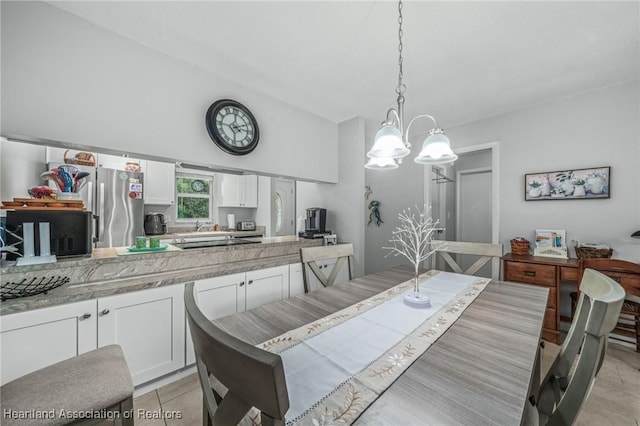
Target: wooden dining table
[[481, 371]]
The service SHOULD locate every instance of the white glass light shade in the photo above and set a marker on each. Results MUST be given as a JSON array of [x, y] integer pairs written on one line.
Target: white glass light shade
[[388, 143], [381, 164], [436, 149]]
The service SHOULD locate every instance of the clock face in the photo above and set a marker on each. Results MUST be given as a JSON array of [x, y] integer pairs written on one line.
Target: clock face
[[232, 127], [197, 185]]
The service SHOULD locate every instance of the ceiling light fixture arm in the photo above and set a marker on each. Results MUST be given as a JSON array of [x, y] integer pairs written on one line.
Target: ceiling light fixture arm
[[435, 129]]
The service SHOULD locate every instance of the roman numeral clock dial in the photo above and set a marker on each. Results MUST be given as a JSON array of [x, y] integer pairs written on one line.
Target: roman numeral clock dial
[[232, 127]]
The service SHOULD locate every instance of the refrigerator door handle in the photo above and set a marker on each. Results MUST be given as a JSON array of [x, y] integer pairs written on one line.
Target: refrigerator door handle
[[101, 211]]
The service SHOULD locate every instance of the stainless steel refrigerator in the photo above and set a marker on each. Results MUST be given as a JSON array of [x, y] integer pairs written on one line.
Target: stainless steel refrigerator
[[116, 199]]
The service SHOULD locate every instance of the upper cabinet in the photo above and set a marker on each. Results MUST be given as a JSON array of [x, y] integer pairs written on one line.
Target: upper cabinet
[[237, 190], [159, 183]]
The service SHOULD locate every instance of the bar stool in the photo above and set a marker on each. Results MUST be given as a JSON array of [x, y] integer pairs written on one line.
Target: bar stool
[[89, 388]]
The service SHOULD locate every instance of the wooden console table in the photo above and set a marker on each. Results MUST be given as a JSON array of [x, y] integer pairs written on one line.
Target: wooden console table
[[547, 272]]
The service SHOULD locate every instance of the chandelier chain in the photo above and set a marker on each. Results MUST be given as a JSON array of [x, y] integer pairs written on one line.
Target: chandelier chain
[[401, 87]]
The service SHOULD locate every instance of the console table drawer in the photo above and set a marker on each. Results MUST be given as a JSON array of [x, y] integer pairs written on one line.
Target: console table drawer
[[569, 274], [530, 273]]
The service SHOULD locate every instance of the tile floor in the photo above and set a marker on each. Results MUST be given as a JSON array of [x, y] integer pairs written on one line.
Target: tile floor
[[614, 400]]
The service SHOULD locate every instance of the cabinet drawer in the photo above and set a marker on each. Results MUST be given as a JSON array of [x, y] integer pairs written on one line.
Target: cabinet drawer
[[569, 274], [550, 319], [531, 273]]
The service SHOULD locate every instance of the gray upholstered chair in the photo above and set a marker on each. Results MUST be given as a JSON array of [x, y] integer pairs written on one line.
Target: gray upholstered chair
[[96, 381], [310, 256], [568, 383], [483, 252], [234, 375]]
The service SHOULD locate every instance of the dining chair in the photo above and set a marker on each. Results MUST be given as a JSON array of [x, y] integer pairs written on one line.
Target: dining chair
[[628, 275], [235, 376], [310, 256], [568, 382], [484, 252]]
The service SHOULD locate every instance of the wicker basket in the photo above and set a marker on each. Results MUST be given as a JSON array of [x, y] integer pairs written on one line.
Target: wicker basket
[[593, 253], [520, 247], [81, 158]]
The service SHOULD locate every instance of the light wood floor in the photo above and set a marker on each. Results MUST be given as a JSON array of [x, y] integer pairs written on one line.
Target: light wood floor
[[614, 400]]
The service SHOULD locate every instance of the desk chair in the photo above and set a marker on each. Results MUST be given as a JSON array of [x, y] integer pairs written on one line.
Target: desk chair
[[484, 251], [570, 378], [243, 375], [628, 275], [94, 381], [311, 255]]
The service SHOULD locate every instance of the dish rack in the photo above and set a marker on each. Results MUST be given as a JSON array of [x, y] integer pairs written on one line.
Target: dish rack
[[30, 287]]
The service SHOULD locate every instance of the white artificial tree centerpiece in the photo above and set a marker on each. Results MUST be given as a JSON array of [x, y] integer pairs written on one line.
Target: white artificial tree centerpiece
[[412, 239]]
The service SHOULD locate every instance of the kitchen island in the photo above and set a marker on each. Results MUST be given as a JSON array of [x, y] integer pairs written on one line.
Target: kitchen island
[[106, 273]]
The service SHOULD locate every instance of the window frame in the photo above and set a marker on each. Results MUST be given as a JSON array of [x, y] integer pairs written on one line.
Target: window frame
[[209, 196]]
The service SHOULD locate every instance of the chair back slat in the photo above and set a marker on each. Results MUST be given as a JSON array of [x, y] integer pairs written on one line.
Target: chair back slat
[[253, 377], [309, 256], [484, 251]]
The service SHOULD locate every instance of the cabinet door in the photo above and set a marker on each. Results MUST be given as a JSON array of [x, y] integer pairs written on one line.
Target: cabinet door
[[217, 297], [36, 339], [267, 285], [159, 183], [296, 285], [149, 325], [230, 190], [250, 198]]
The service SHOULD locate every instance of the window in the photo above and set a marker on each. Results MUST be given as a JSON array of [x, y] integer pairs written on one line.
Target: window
[[194, 198]]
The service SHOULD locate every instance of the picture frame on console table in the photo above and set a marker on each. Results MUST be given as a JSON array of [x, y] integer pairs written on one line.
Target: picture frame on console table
[[577, 184], [551, 243]]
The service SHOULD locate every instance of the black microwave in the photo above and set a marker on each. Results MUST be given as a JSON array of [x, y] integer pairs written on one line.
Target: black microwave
[[70, 231]]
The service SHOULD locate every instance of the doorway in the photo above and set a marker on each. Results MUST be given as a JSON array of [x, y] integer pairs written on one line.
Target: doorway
[[283, 207]]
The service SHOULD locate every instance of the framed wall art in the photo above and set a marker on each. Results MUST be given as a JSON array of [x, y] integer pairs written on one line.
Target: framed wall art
[[575, 184]]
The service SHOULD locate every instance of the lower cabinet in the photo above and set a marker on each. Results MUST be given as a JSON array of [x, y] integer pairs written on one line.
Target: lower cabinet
[[229, 294], [149, 325], [296, 284], [35, 339]]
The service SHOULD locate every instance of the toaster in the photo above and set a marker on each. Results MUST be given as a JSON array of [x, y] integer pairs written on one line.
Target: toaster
[[246, 225]]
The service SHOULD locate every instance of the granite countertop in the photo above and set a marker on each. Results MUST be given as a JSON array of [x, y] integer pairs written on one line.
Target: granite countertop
[[106, 273]]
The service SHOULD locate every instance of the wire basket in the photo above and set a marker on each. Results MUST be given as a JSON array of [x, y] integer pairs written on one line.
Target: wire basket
[[81, 158], [519, 247], [30, 287], [593, 253]]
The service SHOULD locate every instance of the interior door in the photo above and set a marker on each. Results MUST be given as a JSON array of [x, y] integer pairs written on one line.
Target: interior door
[[284, 207]]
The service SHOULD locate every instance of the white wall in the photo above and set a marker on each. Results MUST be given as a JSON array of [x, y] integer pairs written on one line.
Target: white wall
[[66, 79], [21, 169], [599, 128]]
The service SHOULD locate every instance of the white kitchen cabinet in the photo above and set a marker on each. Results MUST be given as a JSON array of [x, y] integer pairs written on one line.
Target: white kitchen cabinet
[[35, 339], [149, 326], [229, 294], [296, 284], [326, 266], [237, 190], [159, 183], [116, 162]]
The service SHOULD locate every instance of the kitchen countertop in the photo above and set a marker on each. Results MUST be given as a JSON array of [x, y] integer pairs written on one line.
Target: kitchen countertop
[[105, 273]]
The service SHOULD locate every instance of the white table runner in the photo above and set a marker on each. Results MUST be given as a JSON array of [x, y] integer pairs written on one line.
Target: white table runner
[[338, 365]]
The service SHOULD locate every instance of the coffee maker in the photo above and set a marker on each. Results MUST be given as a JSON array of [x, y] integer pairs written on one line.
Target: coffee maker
[[316, 223]]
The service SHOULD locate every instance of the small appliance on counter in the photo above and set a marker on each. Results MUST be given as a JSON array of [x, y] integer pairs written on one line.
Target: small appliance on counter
[[69, 232], [316, 223], [246, 225], [330, 240], [154, 224]]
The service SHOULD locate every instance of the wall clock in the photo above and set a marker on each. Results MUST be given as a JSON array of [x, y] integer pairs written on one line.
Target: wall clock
[[232, 127]]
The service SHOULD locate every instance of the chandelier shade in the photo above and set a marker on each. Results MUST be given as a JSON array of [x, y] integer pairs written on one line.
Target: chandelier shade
[[381, 164], [436, 149], [388, 143]]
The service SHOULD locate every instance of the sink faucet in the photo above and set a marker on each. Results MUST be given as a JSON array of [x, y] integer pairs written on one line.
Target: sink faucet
[[199, 225]]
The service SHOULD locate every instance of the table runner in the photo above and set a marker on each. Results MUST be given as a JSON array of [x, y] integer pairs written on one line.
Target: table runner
[[337, 366]]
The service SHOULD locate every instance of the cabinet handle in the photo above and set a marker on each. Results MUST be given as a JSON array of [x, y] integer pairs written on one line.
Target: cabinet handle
[[85, 316], [104, 312], [250, 282], [530, 273], [241, 283]]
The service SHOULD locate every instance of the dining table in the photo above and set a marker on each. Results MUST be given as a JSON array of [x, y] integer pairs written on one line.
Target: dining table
[[481, 371]]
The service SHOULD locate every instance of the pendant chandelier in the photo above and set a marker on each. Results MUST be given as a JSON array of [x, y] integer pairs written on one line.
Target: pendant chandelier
[[391, 143]]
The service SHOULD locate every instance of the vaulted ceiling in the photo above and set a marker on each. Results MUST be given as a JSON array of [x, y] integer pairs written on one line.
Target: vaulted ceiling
[[463, 61]]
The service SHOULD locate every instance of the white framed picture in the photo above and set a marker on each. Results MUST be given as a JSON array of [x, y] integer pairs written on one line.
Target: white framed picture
[[551, 243]]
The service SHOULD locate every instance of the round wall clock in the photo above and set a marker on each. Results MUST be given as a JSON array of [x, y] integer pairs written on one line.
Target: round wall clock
[[232, 127]]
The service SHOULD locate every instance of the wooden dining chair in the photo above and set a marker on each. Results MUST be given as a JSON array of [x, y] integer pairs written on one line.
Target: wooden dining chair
[[484, 252], [569, 381], [627, 274], [310, 256], [243, 375]]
